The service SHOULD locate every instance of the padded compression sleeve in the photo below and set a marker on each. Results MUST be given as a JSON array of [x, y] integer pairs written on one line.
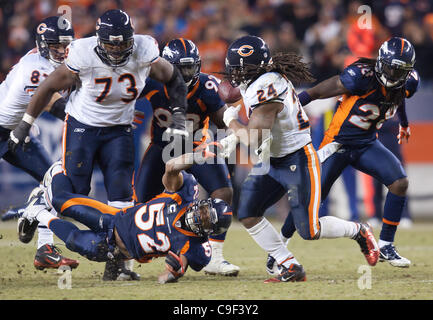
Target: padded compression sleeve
[[177, 91]]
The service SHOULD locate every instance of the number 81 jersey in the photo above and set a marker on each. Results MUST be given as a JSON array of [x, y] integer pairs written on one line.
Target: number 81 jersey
[[106, 95], [291, 129]]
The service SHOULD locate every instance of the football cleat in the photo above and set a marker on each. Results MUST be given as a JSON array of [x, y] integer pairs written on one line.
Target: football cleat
[[28, 223], [389, 253], [221, 267], [116, 270], [49, 256], [368, 244], [55, 168], [12, 213], [294, 273], [272, 266]]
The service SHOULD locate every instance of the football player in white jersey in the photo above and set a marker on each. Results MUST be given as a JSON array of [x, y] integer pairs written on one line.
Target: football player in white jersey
[[53, 35], [109, 71], [294, 168]]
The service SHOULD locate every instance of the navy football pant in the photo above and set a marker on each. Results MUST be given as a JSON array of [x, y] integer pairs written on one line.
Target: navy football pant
[[112, 148], [34, 160], [373, 159], [97, 216], [298, 175]]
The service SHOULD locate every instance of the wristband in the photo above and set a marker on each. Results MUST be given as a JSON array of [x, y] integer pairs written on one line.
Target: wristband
[[28, 119], [304, 98]]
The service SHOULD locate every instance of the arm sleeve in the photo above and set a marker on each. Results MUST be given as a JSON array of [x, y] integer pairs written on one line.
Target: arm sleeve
[[401, 111]]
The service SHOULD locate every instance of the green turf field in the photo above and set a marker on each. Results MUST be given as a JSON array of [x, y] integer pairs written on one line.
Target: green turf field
[[335, 270]]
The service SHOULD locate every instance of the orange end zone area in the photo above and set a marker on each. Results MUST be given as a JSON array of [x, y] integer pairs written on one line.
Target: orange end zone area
[[420, 146]]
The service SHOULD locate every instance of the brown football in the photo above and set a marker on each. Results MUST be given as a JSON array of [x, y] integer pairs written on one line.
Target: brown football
[[228, 93]]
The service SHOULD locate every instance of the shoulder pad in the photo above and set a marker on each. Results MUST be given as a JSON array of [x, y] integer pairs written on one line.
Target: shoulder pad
[[356, 78], [147, 49], [270, 86], [412, 83]]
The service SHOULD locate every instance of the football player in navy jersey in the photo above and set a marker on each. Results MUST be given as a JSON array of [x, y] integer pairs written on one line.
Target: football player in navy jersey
[[204, 106], [372, 91], [174, 224]]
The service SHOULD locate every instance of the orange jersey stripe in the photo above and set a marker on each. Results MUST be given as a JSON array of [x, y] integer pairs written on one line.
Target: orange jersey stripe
[[102, 207], [65, 129], [315, 191], [150, 94], [176, 197], [340, 116], [390, 222], [185, 248]]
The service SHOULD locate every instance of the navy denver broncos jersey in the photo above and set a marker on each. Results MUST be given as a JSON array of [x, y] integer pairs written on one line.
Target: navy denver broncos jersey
[[155, 227], [361, 113], [203, 100]]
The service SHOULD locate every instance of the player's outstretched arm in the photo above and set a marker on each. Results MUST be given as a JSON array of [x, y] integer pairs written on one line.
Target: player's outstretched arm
[[163, 71], [58, 80], [328, 88], [176, 266]]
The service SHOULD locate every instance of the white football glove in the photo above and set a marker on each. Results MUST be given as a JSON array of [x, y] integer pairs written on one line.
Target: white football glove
[[230, 114], [228, 145]]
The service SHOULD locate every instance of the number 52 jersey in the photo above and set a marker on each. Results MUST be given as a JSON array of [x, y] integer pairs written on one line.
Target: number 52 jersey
[[106, 95], [157, 226]]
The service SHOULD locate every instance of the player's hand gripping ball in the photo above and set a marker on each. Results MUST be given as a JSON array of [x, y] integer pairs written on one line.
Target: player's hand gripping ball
[[228, 93]]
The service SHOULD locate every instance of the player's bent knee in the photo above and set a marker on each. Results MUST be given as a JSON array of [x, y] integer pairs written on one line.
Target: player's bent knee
[[250, 221], [399, 187], [225, 194]]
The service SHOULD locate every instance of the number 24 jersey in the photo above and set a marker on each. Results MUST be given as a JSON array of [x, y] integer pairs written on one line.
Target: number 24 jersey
[[155, 227]]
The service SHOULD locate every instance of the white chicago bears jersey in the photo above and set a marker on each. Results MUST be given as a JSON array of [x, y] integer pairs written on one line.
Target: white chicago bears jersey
[[107, 95], [291, 130], [19, 86]]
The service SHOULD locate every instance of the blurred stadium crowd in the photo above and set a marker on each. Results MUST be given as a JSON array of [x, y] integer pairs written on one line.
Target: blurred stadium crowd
[[326, 32]]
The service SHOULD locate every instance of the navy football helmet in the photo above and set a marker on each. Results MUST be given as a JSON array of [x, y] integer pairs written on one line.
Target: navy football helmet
[[115, 35], [184, 54], [243, 52], [53, 35], [395, 61], [208, 217]]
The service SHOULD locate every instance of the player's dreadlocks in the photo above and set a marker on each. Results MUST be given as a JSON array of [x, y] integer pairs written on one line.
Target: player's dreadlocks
[[393, 96], [288, 64]]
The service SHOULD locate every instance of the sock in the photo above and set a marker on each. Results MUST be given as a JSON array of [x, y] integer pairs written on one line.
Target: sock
[[392, 212], [61, 228], [333, 227], [284, 239], [269, 240], [45, 236], [217, 250], [382, 243]]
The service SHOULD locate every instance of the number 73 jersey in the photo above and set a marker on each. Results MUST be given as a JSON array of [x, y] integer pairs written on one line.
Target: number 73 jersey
[[157, 226], [106, 95], [291, 129]]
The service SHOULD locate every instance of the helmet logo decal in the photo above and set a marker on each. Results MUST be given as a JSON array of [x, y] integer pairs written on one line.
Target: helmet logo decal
[[168, 52], [245, 50], [41, 28]]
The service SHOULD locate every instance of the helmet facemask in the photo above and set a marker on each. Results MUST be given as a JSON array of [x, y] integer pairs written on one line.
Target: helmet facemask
[[115, 51], [201, 217], [190, 70], [392, 75]]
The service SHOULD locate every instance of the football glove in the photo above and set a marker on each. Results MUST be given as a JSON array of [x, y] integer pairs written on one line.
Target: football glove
[[227, 145], [404, 134], [231, 114], [20, 135], [177, 127], [175, 268]]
